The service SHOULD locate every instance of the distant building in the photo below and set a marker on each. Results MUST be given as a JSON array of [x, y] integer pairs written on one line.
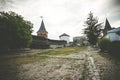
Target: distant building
[[42, 31], [41, 40], [80, 41], [77, 41], [65, 37], [57, 43], [114, 34]]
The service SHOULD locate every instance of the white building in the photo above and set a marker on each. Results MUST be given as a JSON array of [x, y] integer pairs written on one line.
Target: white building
[[114, 34], [65, 37], [80, 41], [56, 43], [77, 41]]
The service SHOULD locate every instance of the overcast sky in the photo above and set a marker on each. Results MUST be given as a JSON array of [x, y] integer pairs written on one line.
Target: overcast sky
[[63, 16]]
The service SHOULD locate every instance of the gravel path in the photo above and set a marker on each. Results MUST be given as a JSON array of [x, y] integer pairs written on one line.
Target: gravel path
[[108, 66], [54, 68]]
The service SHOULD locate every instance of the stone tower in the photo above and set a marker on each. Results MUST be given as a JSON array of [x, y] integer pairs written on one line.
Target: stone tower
[[42, 31]]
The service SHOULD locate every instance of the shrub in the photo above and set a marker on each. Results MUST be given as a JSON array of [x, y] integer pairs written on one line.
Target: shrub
[[114, 48], [104, 44]]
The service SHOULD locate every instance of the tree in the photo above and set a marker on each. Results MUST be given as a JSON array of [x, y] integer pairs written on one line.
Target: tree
[[15, 32], [93, 29]]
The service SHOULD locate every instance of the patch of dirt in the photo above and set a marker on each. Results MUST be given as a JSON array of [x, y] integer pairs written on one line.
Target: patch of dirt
[[52, 69]]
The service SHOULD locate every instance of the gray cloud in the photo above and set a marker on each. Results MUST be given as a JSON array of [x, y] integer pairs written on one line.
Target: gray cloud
[[63, 15], [4, 4], [7, 4], [116, 2]]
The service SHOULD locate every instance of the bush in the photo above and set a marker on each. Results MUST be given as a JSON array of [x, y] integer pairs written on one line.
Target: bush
[[104, 44], [114, 48]]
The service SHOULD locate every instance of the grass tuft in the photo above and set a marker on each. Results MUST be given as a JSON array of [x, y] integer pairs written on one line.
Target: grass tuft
[[62, 51]]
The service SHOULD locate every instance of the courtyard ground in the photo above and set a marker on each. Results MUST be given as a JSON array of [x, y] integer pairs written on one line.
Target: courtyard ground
[[74, 63]]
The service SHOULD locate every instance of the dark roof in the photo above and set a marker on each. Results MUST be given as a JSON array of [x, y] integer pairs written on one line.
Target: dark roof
[[107, 25], [114, 30], [42, 27], [64, 34]]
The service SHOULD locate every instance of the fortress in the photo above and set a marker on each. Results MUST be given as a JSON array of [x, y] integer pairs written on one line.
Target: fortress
[[41, 40]]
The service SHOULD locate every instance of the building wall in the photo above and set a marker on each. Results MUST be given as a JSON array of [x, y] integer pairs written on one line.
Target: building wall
[[39, 42], [56, 46], [42, 34], [113, 36], [66, 38], [79, 41], [43, 43]]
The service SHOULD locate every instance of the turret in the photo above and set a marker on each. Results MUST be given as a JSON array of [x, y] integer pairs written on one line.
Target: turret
[[42, 31]]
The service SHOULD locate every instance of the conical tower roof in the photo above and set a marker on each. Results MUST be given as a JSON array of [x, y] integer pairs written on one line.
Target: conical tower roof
[[42, 27], [107, 25]]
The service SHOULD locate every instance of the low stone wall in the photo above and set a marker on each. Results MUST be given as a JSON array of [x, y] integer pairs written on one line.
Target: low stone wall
[[91, 72]]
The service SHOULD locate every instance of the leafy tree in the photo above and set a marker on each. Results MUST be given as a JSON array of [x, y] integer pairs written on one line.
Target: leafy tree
[[15, 32], [93, 29]]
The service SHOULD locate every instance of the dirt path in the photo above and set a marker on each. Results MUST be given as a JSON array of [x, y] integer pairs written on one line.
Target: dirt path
[[68, 67]]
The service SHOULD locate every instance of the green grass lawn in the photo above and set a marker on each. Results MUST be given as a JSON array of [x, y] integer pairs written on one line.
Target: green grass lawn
[[62, 51]]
